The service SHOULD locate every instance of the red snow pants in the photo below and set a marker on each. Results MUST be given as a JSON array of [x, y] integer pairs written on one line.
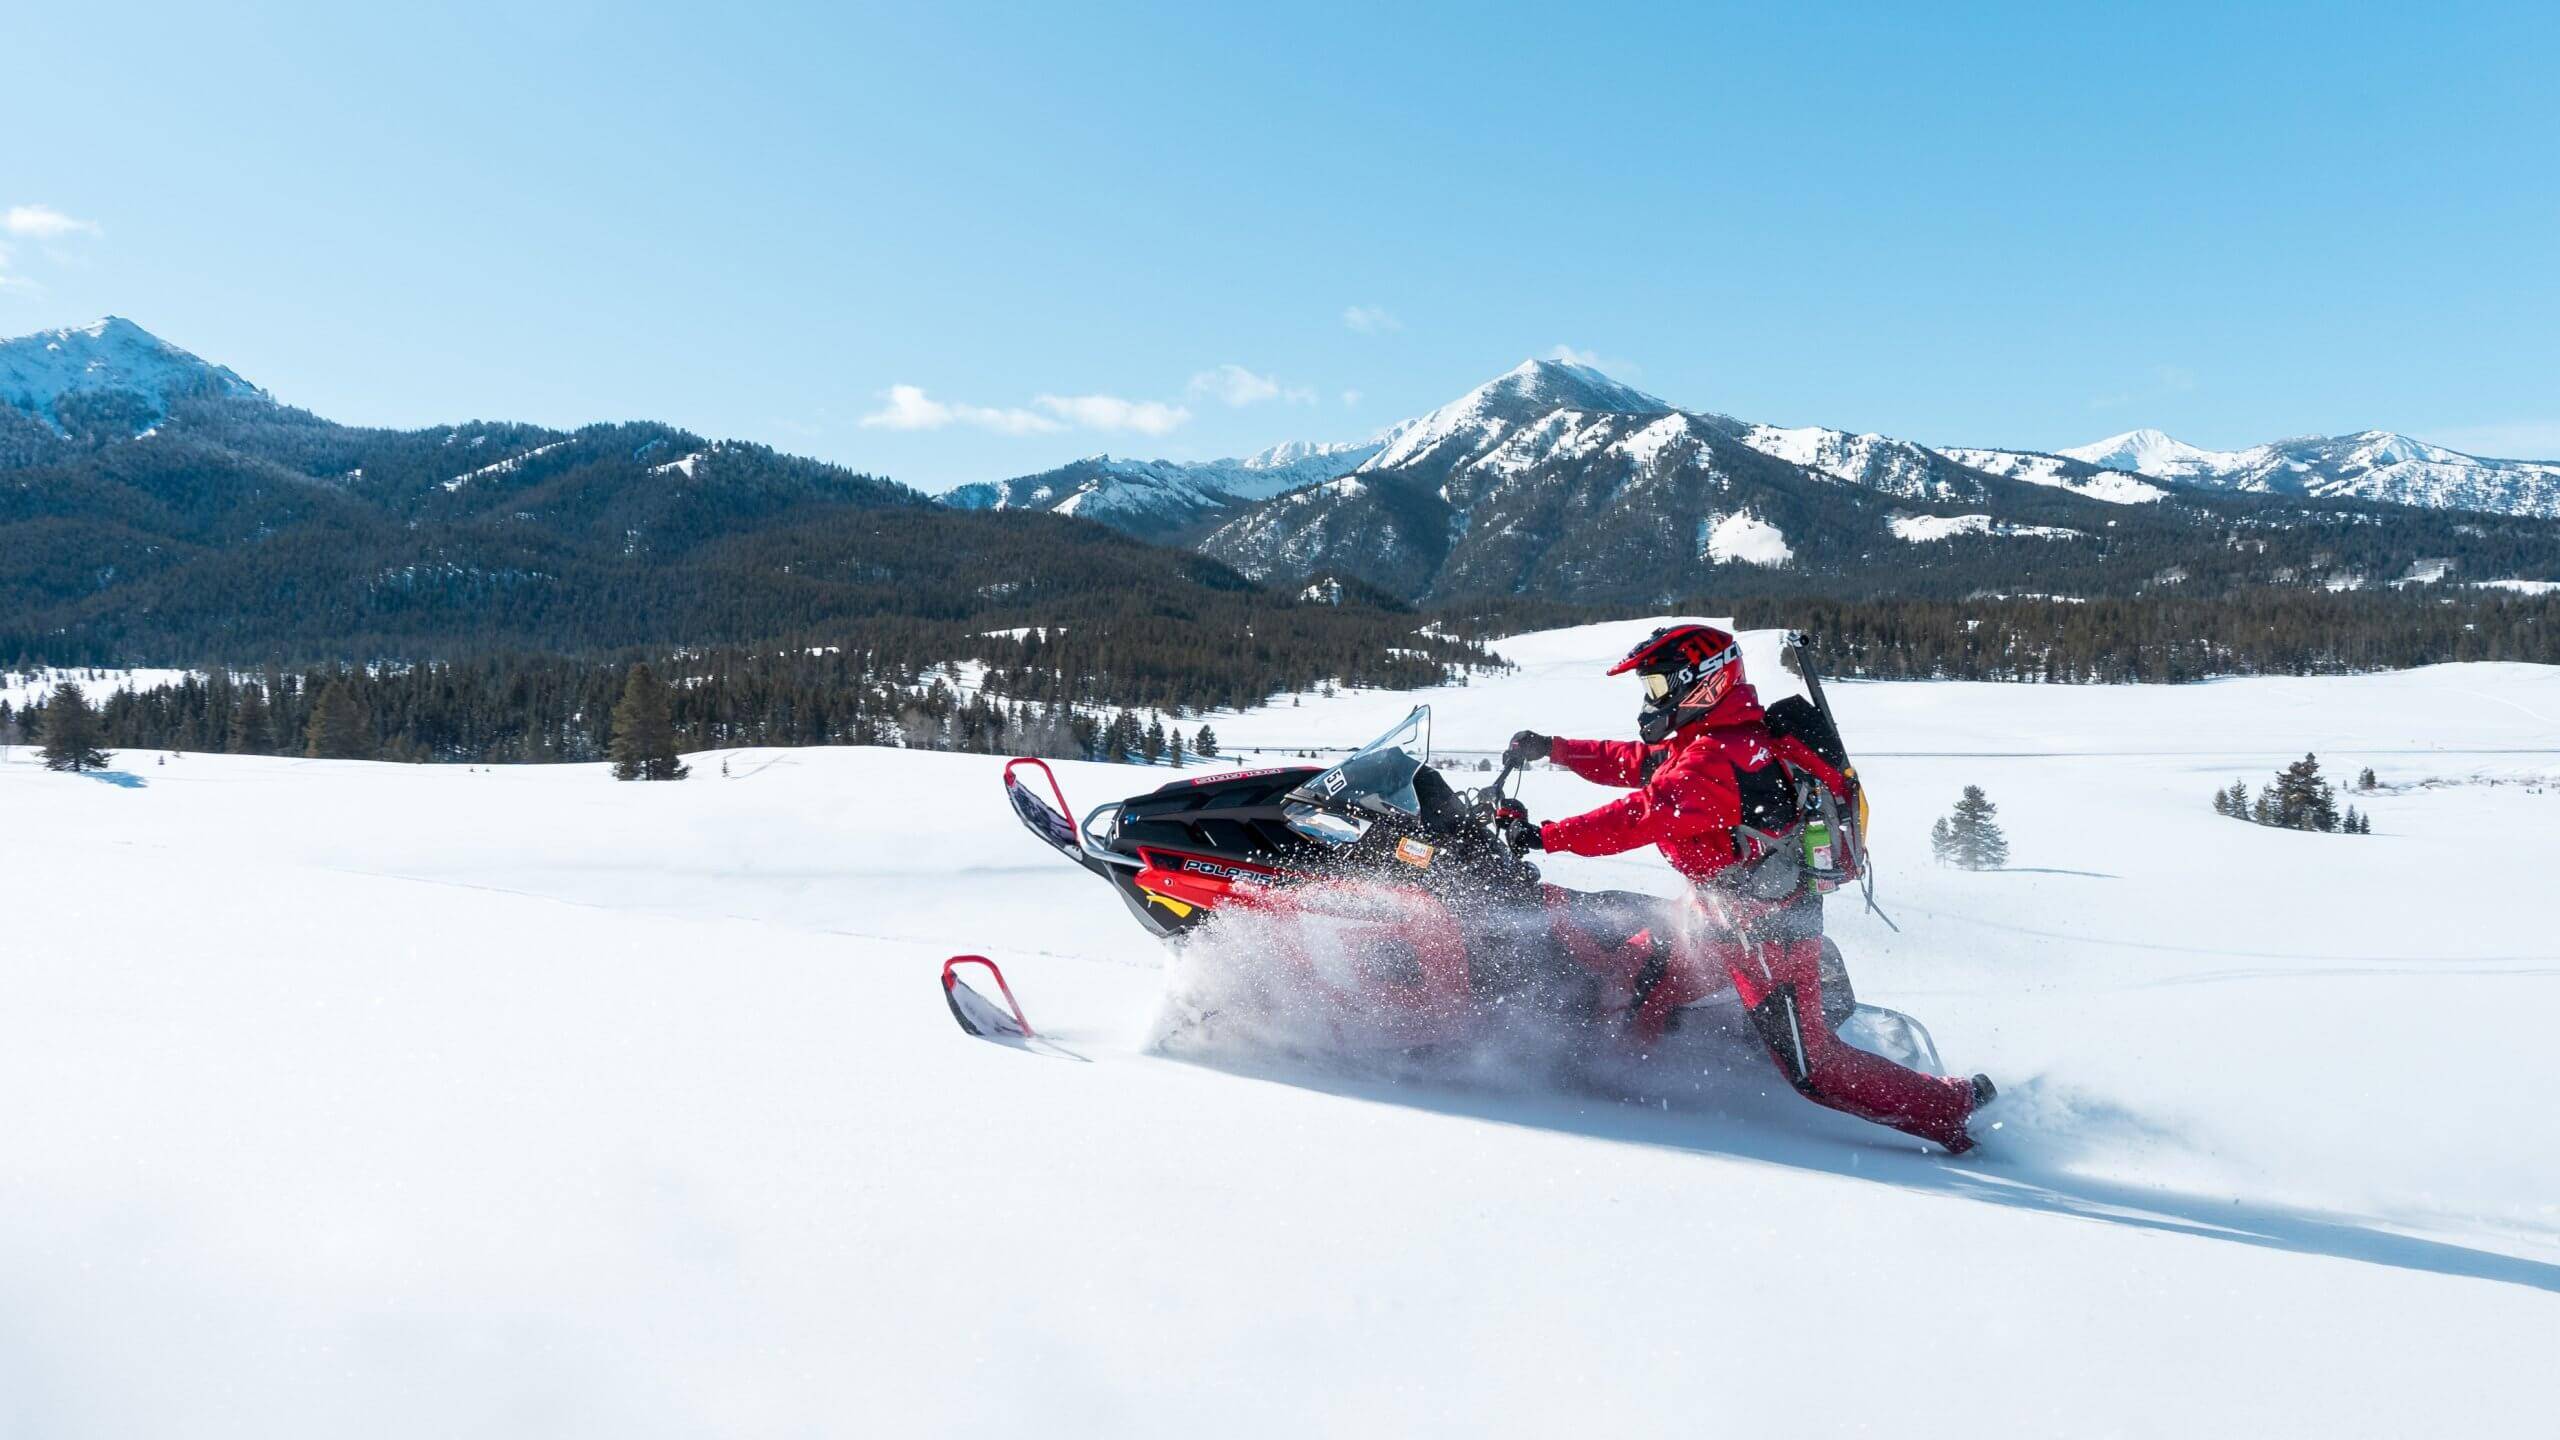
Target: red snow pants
[[1774, 954]]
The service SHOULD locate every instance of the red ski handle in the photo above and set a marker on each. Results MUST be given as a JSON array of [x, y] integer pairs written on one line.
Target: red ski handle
[[950, 979], [1045, 773]]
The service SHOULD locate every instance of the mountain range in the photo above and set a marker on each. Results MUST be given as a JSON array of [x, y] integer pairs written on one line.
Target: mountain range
[[1555, 479], [157, 505], [1170, 500], [2368, 465]]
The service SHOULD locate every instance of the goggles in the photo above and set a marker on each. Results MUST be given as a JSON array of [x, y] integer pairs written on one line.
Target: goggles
[[1659, 687]]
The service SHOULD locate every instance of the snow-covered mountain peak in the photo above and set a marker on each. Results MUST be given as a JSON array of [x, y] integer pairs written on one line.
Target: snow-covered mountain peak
[[1475, 422], [111, 355], [2153, 452], [1564, 385]]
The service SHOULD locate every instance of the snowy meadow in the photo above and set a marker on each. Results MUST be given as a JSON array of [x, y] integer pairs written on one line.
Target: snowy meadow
[[359, 1098]]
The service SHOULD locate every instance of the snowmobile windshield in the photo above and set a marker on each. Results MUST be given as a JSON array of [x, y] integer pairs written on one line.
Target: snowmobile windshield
[[1376, 781]]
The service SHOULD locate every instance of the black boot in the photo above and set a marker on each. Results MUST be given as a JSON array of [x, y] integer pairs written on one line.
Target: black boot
[[1984, 1092]]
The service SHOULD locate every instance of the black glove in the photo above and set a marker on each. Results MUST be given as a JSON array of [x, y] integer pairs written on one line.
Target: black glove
[[1513, 824], [1526, 746]]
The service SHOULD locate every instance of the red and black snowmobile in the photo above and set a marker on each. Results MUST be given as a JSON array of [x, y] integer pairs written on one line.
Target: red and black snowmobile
[[1378, 882]]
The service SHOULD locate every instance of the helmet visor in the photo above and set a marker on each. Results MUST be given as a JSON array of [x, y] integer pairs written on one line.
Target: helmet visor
[[1657, 687]]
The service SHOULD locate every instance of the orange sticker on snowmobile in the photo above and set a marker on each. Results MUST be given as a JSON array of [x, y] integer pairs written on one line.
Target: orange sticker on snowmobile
[[1416, 854]]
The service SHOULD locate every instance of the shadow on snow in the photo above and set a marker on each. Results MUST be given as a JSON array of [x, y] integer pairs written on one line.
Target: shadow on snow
[[1736, 1107]]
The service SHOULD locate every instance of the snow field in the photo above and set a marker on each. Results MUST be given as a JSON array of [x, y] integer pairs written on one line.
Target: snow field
[[432, 1100]]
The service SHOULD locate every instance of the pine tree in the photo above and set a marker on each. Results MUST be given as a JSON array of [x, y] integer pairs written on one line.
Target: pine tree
[[1152, 747], [70, 732], [339, 728], [2367, 780], [1173, 748], [2221, 802], [644, 730], [2238, 798], [2304, 801], [1974, 840], [1207, 743], [1942, 842], [252, 732]]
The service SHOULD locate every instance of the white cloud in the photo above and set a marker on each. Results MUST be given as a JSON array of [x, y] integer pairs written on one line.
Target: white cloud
[[1350, 399], [909, 408], [43, 222], [1371, 319], [1241, 387], [1110, 412], [1594, 360]]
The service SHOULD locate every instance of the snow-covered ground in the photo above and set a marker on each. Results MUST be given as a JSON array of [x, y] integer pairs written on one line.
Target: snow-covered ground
[[398, 1100], [21, 688]]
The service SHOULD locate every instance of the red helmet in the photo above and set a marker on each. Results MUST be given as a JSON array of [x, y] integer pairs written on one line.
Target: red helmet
[[1687, 670]]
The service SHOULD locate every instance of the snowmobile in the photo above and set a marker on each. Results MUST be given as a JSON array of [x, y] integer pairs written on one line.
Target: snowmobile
[[1378, 882]]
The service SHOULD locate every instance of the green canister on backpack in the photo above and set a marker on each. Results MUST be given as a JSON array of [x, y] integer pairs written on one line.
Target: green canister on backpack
[[1820, 875]]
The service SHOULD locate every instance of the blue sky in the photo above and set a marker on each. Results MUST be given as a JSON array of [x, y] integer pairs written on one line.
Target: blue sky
[[1007, 236]]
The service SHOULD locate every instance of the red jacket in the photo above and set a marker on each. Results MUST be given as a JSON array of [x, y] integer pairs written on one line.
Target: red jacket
[[1692, 800]]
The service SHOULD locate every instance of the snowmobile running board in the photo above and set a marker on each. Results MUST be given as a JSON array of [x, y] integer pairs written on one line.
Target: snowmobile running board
[[976, 1013]]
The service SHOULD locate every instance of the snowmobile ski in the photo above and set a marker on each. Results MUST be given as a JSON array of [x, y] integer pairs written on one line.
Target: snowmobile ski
[[977, 1014]]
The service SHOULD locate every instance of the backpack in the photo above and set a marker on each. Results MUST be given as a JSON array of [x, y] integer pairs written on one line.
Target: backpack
[[1830, 838]]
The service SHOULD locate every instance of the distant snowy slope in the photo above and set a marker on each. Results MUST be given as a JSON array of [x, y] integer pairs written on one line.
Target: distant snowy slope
[[2080, 477], [110, 360], [2149, 452], [1159, 498], [2368, 465]]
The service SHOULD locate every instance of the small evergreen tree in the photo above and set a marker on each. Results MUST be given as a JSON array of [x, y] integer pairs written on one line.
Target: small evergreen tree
[[2367, 780], [1942, 842], [1973, 838], [70, 732], [1152, 746], [339, 728], [1206, 743], [2221, 802], [1173, 749], [644, 730], [2304, 801]]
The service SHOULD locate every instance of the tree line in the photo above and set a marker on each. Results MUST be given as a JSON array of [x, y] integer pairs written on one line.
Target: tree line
[[500, 710], [2161, 638]]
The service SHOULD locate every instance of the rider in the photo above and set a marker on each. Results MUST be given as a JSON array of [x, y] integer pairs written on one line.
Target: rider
[[1707, 786]]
